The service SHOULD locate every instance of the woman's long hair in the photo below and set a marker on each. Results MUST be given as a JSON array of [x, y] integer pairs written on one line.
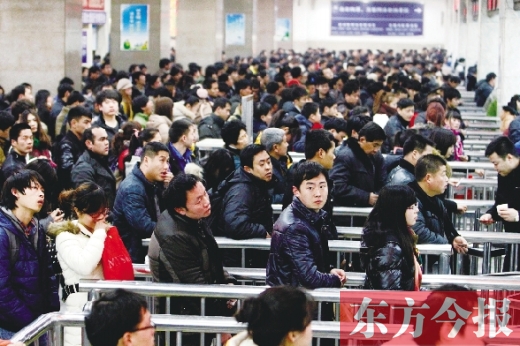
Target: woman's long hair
[[44, 141], [387, 216]]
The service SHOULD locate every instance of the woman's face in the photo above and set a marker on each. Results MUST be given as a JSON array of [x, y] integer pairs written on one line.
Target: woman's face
[[148, 110], [411, 214], [31, 120], [90, 220], [49, 102], [449, 152]]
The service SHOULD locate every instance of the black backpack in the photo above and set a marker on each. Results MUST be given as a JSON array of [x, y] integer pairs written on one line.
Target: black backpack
[[216, 197]]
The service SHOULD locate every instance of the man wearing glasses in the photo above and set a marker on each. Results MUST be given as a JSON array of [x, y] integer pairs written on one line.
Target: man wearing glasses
[[120, 318]]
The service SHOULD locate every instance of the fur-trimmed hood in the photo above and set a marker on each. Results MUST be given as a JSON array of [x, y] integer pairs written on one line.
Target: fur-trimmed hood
[[56, 228]]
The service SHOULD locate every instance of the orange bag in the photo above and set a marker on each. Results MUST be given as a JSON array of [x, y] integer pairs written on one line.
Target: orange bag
[[116, 261]]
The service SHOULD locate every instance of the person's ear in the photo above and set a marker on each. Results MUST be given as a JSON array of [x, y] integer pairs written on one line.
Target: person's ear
[[295, 191], [293, 336], [362, 140], [127, 338], [181, 211], [14, 192], [248, 169]]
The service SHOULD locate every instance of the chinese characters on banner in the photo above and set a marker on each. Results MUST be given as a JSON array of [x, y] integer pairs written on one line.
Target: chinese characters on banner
[[378, 18], [429, 318], [135, 27], [98, 5]]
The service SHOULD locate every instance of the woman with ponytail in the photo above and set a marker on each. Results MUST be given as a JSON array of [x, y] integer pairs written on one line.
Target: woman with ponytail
[[279, 316], [79, 244]]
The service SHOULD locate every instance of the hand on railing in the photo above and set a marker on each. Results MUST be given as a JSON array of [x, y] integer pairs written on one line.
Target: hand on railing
[[340, 273], [486, 219], [460, 245]]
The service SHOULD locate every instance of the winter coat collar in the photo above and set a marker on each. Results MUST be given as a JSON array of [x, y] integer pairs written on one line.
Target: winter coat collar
[[353, 144], [407, 165], [312, 217]]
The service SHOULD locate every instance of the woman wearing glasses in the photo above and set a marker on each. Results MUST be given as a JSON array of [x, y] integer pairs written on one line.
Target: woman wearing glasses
[[79, 245], [389, 243]]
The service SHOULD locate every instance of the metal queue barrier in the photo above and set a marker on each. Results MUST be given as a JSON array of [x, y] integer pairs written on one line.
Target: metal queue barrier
[[54, 323], [473, 189]]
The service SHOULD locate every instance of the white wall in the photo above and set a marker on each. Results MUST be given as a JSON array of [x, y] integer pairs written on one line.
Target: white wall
[[312, 29]]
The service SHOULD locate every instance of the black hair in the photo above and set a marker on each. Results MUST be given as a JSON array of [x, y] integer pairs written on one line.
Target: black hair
[[219, 165], [178, 129], [66, 80], [78, 112], [450, 94], [6, 120], [276, 312], [21, 106], [309, 109], [298, 92], [164, 62], [350, 87], [17, 91], [307, 170], [87, 198], [175, 195], [338, 124], [139, 103], [430, 163], [296, 72], [490, 76], [107, 94], [270, 100], [248, 154], [220, 102], [272, 87], [502, 146], [405, 103], [231, 131], [356, 123], [151, 150], [75, 96], [327, 102], [15, 130], [455, 114], [416, 142], [208, 82], [20, 180], [316, 140], [372, 132], [443, 138], [260, 109], [242, 84], [50, 181], [114, 314]]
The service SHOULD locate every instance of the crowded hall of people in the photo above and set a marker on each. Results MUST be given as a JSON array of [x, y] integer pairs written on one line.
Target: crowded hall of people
[[278, 172]]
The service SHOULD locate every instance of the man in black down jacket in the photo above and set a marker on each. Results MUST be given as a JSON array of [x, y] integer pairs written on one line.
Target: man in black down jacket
[[433, 225], [358, 171], [398, 122], [502, 153], [246, 206], [136, 207], [183, 250], [299, 248], [92, 165]]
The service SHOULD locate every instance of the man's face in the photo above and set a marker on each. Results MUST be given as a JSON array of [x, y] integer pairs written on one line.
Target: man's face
[[370, 148], [262, 168], [197, 203], [100, 145], [282, 147], [23, 145], [352, 99], [453, 84], [246, 91], [144, 333], [454, 103], [224, 112], [107, 70], [331, 111], [79, 126], [301, 101], [243, 140], [141, 80], [326, 158], [406, 113], [190, 136], [213, 91], [351, 70], [148, 109], [109, 107], [313, 193], [32, 197], [158, 166], [502, 166], [438, 182], [323, 89], [338, 136]]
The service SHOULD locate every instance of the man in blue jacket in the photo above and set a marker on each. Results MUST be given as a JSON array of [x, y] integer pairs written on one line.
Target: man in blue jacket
[[28, 286], [136, 208]]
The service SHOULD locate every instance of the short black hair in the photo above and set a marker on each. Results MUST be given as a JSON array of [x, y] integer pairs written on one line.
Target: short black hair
[[405, 103], [338, 124], [21, 106], [298, 92], [248, 154], [78, 112], [430, 163], [231, 131], [175, 195], [272, 87], [20, 181], [75, 96], [242, 84], [502, 146], [6, 120], [88, 134], [451, 93], [306, 171], [350, 87], [356, 123], [15, 130], [443, 138], [260, 109], [107, 94], [490, 76], [152, 149], [271, 100], [164, 62], [220, 102], [309, 109], [139, 103], [372, 132], [208, 82], [416, 142], [316, 140], [327, 102], [178, 129], [17, 91], [114, 314]]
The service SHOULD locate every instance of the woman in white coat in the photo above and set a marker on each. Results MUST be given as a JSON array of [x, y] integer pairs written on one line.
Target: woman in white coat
[[79, 245]]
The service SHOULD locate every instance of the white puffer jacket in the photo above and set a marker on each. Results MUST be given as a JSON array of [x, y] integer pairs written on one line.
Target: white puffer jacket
[[80, 258]]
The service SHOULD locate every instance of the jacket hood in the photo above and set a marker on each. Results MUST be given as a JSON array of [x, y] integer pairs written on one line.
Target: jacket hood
[[56, 228]]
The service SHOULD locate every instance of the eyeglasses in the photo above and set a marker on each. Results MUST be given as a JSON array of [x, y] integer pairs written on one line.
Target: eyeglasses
[[413, 206], [151, 326]]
